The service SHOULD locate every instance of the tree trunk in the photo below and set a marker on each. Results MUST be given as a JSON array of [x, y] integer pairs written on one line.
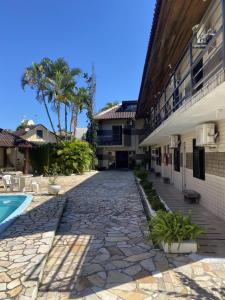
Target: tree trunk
[[59, 121], [75, 120], [49, 117], [71, 122], [65, 107]]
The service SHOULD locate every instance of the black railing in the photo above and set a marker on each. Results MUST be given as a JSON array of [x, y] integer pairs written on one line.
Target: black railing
[[200, 67], [108, 138]]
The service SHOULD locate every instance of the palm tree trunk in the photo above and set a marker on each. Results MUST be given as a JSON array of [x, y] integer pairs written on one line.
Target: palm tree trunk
[[59, 121], [71, 122], [49, 117], [65, 107], [75, 120]]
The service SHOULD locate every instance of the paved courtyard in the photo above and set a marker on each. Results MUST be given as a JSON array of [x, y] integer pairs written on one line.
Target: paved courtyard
[[101, 252], [24, 246]]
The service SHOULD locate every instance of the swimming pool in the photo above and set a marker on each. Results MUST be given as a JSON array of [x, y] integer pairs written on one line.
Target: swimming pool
[[10, 207]]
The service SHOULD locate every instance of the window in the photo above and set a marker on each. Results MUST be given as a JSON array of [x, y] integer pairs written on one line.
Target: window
[[176, 158], [198, 161], [40, 133], [117, 135]]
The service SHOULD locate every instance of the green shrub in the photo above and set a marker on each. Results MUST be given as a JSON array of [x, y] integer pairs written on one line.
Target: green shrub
[[152, 196], [171, 227], [42, 156], [74, 156], [147, 185], [141, 174]]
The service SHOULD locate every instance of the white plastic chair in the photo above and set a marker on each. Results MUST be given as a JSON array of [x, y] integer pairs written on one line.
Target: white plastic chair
[[16, 182], [35, 185], [7, 182]]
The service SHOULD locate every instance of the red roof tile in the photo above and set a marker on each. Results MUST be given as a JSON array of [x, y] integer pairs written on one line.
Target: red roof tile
[[116, 113], [8, 140]]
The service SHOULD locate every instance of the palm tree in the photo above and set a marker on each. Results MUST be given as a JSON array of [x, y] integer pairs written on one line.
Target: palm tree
[[35, 77], [77, 102], [89, 105], [109, 105], [61, 83]]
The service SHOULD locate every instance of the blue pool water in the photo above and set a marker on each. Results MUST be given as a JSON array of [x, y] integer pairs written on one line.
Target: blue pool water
[[10, 207]]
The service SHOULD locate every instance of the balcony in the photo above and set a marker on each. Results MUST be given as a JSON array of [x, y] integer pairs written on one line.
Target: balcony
[[199, 72], [108, 138]]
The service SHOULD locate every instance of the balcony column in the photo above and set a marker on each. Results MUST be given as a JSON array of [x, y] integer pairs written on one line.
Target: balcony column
[[223, 20], [26, 161]]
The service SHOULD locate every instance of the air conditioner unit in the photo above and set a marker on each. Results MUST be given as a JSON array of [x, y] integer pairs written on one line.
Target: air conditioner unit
[[174, 141], [205, 135]]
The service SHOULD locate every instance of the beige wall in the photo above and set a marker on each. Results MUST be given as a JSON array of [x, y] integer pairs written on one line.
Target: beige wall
[[48, 137], [104, 150]]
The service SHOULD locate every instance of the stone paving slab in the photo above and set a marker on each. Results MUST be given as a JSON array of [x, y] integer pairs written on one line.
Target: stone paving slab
[[24, 246], [101, 252]]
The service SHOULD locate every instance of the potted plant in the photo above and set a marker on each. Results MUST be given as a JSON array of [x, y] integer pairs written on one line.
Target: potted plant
[[53, 187], [175, 232]]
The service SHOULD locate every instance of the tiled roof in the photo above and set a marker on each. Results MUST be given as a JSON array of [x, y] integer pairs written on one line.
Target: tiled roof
[[23, 131], [8, 139], [116, 112]]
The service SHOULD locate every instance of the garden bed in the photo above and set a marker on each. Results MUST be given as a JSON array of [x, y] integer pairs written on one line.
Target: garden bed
[[177, 237]]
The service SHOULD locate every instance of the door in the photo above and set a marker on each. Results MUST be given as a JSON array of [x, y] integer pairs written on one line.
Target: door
[[121, 159], [184, 167]]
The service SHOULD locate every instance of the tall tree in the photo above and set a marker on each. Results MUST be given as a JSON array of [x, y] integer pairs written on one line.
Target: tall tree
[[77, 102], [90, 104], [61, 83], [35, 77]]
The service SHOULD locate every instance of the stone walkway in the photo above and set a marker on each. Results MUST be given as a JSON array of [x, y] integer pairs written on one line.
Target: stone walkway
[[24, 246], [100, 251]]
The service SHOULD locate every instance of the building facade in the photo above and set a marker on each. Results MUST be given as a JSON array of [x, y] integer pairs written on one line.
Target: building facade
[[182, 98], [37, 134], [118, 137]]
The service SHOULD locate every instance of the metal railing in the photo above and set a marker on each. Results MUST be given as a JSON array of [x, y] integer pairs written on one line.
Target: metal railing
[[199, 71], [108, 138]]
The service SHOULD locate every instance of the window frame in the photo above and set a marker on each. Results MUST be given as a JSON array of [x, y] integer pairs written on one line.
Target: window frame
[[198, 157], [38, 135]]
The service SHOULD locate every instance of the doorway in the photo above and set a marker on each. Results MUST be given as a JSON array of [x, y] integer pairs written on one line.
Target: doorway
[[121, 159]]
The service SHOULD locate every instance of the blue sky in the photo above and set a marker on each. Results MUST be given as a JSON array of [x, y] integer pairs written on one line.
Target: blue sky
[[112, 34]]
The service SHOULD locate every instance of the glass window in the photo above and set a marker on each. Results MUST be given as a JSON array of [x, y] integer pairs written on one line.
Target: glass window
[[40, 133]]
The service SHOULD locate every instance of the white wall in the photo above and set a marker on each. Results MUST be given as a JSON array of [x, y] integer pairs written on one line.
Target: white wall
[[212, 189]]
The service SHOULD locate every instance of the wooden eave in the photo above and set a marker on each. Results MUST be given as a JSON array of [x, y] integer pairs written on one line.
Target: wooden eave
[[171, 32]]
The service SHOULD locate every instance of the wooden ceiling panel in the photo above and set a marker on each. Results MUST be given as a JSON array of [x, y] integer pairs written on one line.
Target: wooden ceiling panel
[[173, 32]]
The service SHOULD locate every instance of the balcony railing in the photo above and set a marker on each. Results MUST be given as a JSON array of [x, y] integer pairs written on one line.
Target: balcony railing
[[196, 68], [107, 138]]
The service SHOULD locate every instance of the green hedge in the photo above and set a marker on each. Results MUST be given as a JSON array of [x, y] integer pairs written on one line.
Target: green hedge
[[149, 190], [69, 156]]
